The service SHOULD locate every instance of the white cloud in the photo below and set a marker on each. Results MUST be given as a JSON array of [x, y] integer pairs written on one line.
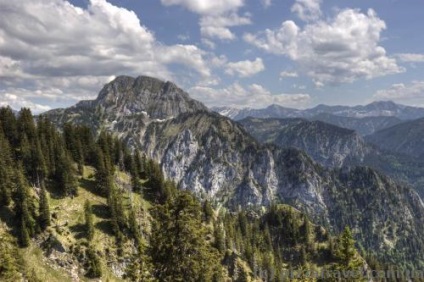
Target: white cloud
[[218, 26], [288, 74], [307, 10], [266, 3], [412, 93], [207, 7], [245, 68], [217, 16], [44, 41], [411, 58], [337, 50], [254, 95], [17, 102]]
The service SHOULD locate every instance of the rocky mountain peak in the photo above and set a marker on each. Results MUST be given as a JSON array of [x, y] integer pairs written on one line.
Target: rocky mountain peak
[[157, 99]]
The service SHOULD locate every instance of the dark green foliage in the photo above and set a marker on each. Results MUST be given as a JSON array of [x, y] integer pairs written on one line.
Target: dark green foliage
[[24, 209], [89, 225], [178, 247], [134, 227], [207, 211], [67, 183], [10, 261], [6, 171], [43, 210], [346, 250]]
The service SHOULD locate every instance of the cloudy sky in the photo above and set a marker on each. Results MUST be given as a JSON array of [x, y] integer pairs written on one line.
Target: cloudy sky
[[296, 53]]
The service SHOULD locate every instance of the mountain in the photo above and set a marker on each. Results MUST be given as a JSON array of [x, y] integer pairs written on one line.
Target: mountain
[[364, 119], [216, 159], [364, 126], [406, 138], [334, 147], [327, 144], [126, 98], [73, 208], [272, 111]]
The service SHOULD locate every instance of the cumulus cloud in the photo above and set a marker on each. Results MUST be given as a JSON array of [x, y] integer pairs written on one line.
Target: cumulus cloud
[[245, 68], [254, 95], [207, 7], [307, 10], [288, 74], [217, 16], [17, 102], [411, 57], [44, 41], [410, 93], [332, 51], [218, 26]]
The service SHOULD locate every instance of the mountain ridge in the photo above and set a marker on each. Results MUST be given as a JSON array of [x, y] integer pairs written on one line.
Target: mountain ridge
[[215, 158]]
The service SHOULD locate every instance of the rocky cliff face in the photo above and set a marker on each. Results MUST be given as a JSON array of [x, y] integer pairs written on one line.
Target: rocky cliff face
[[406, 138], [327, 144], [215, 157]]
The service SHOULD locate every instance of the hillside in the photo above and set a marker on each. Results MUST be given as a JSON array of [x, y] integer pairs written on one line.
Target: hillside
[[406, 138], [112, 215], [216, 159], [327, 144]]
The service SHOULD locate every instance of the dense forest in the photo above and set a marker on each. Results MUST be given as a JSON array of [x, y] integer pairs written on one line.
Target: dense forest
[[125, 221]]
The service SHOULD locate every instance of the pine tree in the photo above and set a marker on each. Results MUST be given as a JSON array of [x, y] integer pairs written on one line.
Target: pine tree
[[44, 209], [207, 211], [66, 181], [178, 248], [346, 250], [24, 238], [24, 209], [133, 226], [9, 126], [89, 225], [9, 259], [6, 171]]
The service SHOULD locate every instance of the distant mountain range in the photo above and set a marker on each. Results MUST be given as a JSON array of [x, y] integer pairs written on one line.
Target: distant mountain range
[[363, 119], [217, 158]]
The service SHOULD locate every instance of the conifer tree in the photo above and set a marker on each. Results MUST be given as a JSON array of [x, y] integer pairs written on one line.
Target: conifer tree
[[178, 248], [6, 171], [207, 211], [44, 209], [346, 250], [89, 225]]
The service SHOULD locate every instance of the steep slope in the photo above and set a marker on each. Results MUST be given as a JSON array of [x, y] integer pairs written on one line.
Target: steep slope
[[272, 111], [216, 158], [364, 126], [332, 146], [406, 138], [138, 100], [327, 144]]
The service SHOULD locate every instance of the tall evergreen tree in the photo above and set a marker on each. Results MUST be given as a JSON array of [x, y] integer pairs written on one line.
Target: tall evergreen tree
[[6, 171], [89, 225], [178, 247], [44, 209]]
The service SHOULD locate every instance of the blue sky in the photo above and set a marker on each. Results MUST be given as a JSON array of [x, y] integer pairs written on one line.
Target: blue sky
[[244, 53]]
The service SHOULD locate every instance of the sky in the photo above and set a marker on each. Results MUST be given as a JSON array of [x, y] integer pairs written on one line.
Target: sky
[[241, 53]]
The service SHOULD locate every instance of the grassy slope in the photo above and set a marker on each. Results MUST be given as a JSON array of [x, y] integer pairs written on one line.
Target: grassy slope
[[67, 227]]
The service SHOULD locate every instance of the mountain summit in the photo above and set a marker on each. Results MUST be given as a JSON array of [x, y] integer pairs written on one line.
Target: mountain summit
[[158, 99]]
